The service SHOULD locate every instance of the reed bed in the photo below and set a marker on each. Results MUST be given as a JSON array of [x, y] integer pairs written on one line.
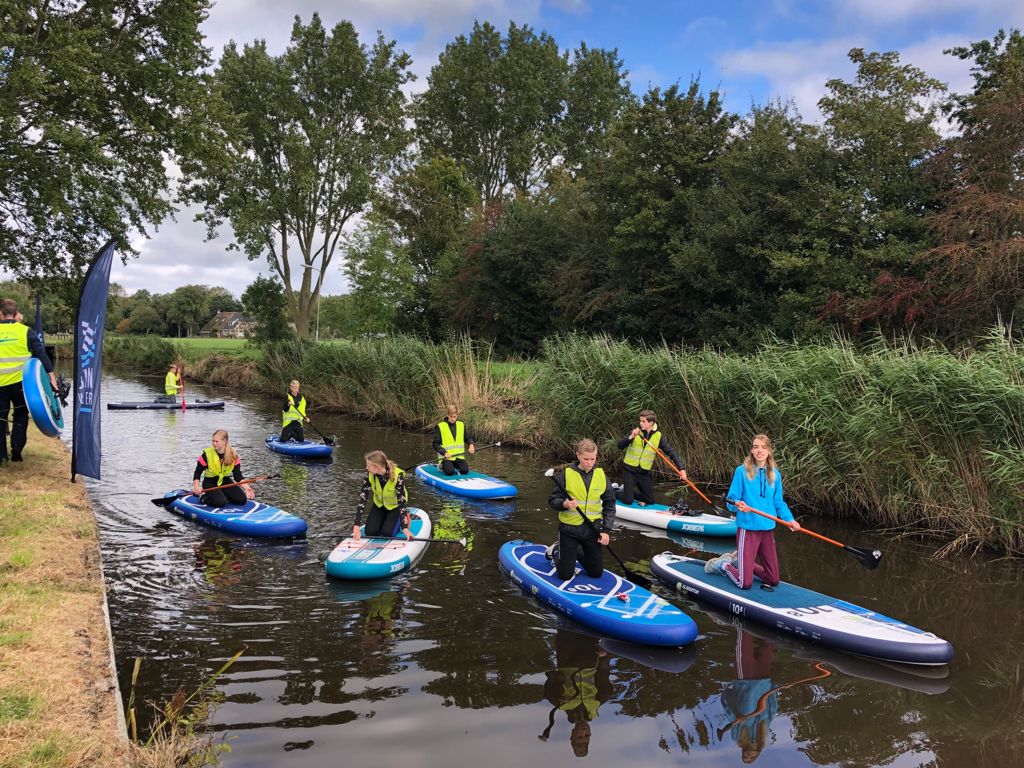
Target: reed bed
[[903, 437]]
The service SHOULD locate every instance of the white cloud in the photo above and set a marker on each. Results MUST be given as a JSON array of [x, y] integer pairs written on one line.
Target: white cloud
[[1005, 12]]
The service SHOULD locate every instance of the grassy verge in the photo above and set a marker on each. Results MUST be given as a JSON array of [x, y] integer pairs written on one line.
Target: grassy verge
[[57, 702]]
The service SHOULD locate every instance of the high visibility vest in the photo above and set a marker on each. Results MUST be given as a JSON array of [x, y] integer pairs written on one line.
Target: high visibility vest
[[589, 498], [386, 496], [171, 383], [455, 444], [294, 412], [14, 352], [214, 468], [580, 688], [639, 453]]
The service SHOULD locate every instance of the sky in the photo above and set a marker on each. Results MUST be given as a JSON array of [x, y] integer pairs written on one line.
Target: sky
[[752, 51]]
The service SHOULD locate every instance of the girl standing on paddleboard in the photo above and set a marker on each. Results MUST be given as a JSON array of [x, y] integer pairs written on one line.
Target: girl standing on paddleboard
[[386, 483]]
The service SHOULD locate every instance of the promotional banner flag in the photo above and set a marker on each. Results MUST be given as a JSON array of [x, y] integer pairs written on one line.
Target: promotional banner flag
[[92, 314]]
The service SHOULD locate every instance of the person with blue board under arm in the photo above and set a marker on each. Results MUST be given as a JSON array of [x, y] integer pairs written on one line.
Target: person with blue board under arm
[[384, 487], [585, 502], [452, 442], [17, 346]]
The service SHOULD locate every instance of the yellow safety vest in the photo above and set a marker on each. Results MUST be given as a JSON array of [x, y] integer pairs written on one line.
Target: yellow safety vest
[[214, 468], [294, 412], [589, 498], [454, 444], [640, 454], [14, 352], [171, 383], [386, 496], [579, 688]]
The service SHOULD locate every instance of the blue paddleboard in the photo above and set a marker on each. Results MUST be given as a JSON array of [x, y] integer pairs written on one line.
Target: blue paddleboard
[[805, 614], [609, 605], [307, 449], [474, 485], [660, 516], [250, 519], [379, 558], [43, 405]]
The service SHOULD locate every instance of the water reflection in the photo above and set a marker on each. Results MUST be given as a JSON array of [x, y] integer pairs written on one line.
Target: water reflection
[[577, 687]]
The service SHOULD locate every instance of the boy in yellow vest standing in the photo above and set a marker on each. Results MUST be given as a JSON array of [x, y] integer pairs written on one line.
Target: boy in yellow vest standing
[[451, 442], [17, 345], [582, 491], [640, 457]]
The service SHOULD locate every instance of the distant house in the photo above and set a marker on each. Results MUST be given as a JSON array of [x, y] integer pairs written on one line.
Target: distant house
[[228, 325]]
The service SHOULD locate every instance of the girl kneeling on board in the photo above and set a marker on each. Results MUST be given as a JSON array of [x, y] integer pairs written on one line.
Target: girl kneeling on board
[[386, 483]]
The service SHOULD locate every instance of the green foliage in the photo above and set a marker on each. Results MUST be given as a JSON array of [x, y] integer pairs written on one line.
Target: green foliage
[[143, 353], [381, 276], [93, 98], [265, 302], [16, 706], [331, 123]]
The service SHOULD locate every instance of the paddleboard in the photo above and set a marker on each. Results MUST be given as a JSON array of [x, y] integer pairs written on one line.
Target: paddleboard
[[307, 449], [155, 406], [474, 485], [806, 614], [250, 519], [609, 605], [660, 516], [715, 546], [379, 558], [43, 405]]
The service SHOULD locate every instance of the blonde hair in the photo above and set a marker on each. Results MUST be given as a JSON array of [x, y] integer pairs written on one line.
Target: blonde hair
[[586, 445], [229, 453], [751, 466], [453, 410], [295, 382], [381, 460]]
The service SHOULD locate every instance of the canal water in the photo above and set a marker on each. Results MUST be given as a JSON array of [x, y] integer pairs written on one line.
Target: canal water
[[452, 665]]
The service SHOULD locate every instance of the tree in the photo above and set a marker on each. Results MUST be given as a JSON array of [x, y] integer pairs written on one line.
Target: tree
[[508, 109], [145, 319], [188, 308], [265, 302], [93, 99], [330, 124], [381, 276]]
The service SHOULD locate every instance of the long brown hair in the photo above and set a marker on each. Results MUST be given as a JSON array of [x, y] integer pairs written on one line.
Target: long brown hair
[[229, 453], [381, 460], [769, 464]]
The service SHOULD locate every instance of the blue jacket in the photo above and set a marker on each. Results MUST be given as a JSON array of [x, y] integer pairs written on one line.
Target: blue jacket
[[759, 494]]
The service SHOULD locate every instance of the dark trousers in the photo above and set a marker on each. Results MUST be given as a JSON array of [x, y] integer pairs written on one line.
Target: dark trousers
[[218, 497], [451, 466], [167, 399], [578, 542], [292, 431], [12, 396], [636, 485], [382, 521]]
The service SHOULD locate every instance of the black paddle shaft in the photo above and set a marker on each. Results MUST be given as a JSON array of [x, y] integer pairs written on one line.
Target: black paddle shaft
[[633, 576]]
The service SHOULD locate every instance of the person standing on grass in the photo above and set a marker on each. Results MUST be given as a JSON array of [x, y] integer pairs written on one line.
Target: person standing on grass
[[219, 465], [293, 413], [451, 442], [640, 458], [581, 490], [756, 485], [17, 347], [385, 488]]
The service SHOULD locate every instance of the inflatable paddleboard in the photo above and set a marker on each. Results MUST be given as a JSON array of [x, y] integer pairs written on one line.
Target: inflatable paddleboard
[[475, 485], [250, 519], [660, 516], [307, 449], [379, 558], [43, 405], [610, 605], [806, 614], [155, 406]]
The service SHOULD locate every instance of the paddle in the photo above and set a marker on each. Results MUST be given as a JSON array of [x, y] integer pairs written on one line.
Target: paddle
[[869, 558], [434, 460], [165, 501], [181, 381], [461, 541], [666, 459], [327, 440], [636, 578]]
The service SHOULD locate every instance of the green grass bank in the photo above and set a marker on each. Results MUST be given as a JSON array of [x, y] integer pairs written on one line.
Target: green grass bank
[[907, 438]]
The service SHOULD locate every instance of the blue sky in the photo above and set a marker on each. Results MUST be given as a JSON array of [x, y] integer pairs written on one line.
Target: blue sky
[[751, 51]]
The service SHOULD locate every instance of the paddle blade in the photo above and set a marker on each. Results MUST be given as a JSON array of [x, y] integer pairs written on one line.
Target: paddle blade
[[163, 501], [869, 558]]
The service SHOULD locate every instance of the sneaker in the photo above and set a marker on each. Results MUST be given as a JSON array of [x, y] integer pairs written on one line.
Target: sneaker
[[713, 564], [551, 553], [767, 587], [16, 457]]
